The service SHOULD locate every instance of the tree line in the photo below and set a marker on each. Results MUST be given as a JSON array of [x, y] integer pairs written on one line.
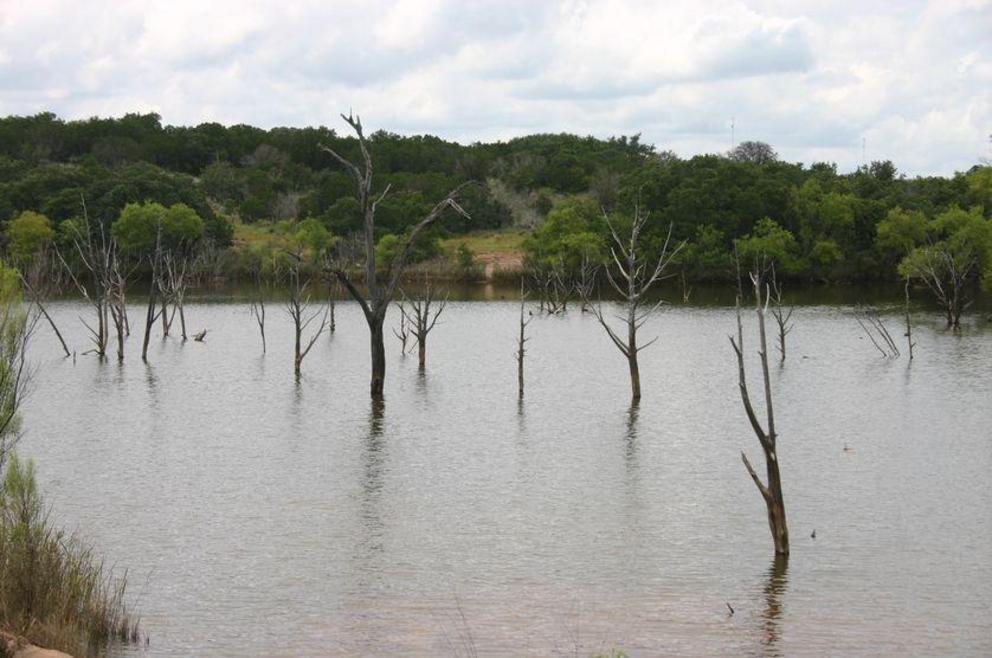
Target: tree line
[[819, 224]]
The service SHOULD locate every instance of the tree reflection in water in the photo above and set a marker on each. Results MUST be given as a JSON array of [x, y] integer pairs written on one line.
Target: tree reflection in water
[[774, 590]]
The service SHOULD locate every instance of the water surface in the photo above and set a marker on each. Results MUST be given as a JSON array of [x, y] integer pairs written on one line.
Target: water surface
[[261, 515]]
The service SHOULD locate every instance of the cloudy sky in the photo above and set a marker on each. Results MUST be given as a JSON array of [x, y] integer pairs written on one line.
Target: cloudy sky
[[813, 78]]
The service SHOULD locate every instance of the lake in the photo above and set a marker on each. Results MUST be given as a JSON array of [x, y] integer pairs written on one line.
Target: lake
[[261, 515]]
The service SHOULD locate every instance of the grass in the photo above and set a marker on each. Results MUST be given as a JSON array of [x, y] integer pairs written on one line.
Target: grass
[[53, 591], [487, 242]]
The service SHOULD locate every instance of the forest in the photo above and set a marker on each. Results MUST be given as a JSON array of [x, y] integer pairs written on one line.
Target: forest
[[259, 192]]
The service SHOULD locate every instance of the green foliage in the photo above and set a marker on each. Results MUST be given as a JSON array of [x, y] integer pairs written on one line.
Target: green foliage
[[572, 232], [770, 242], [841, 223], [140, 224], [390, 246], [27, 234], [901, 230], [957, 241], [52, 589]]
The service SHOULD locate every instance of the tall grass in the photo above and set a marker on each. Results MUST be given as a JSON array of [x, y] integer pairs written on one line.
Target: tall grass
[[53, 591]]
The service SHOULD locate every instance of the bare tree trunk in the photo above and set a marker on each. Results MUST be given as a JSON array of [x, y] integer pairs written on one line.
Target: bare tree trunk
[[44, 312], [772, 492], [632, 281], [521, 341], [378, 359], [380, 293], [909, 326], [51, 322], [182, 319], [150, 317]]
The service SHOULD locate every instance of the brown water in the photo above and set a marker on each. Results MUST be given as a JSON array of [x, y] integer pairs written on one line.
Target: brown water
[[263, 516]]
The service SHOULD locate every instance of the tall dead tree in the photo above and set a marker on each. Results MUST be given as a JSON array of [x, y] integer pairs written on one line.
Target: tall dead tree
[[422, 314], [117, 278], [521, 342], [94, 253], [767, 437], [153, 311], [381, 287], [301, 312], [632, 279]]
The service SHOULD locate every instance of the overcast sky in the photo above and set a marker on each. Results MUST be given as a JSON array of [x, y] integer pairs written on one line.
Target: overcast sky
[[813, 78]]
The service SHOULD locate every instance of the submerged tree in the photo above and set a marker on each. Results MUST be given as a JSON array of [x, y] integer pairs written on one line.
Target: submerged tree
[[767, 436], [93, 250], [29, 245], [783, 317], [632, 279], [424, 311], [381, 286], [310, 241], [949, 253], [521, 342]]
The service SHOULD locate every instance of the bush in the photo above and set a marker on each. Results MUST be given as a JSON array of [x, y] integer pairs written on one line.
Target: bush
[[53, 591]]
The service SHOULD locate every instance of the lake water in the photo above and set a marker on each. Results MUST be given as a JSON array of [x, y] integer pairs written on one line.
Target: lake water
[[259, 515]]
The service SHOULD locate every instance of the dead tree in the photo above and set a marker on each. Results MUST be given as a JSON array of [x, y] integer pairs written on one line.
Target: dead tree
[[381, 287], [909, 326], [632, 280], [178, 271], [871, 323], [299, 308], [521, 341], [767, 437], [152, 312], [783, 318], [403, 334], [585, 282], [117, 278], [947, 275], [421, 317], [94, 253], [40, 279]]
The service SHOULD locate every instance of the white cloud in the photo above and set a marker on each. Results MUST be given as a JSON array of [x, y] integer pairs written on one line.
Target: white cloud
[[812, 78]]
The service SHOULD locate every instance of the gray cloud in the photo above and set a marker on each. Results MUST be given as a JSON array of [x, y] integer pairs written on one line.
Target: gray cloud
[[811, 78]]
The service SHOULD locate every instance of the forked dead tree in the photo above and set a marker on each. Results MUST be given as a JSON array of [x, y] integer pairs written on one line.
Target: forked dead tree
[[783, 317], [422, 314], [632, 279], [767, 436], [177, 272], [381, 287], [301, 312], [94, 253], [522, 341], [403, 333]]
